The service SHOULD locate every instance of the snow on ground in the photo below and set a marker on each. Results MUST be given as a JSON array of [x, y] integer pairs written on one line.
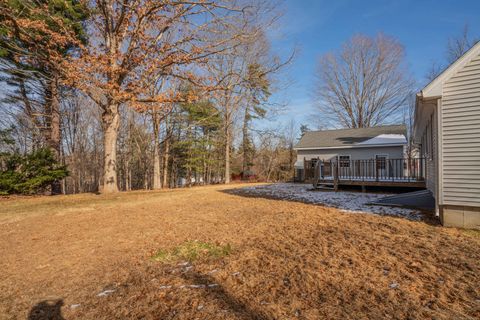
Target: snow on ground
[[352, 202]]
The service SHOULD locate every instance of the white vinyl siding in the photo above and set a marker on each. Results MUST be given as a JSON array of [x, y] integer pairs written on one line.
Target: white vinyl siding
[[460, 121], [354, 153], [432, 154], [427, 138]]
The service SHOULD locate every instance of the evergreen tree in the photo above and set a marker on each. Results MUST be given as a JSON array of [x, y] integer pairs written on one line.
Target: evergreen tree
[[35, 37], [258, 88], [26, 174]]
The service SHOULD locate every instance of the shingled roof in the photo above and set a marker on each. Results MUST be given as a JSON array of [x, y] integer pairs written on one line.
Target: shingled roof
[[353, 137]]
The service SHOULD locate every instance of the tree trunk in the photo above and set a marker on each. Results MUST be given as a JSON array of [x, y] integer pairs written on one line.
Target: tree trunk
[[52, 132], [111, 123], [157, 179], [31, 115], [245, 144], [166, 150], [227, 155], [127, 174], [204, 158], [145, 180]]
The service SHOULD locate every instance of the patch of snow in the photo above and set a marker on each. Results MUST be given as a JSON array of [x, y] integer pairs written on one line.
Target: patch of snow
[[394, 285], [385, 139], [105, 293], [192, 286], [165, 287], [346, 201], [74, 306]]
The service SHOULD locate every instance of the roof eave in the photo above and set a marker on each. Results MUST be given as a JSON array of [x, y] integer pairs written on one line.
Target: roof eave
[[435, 88], [354, 146]]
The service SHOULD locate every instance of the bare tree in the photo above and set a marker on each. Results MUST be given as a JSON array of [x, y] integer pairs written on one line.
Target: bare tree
[[363, 85], [460, 44], [133, 40], [456, 47]]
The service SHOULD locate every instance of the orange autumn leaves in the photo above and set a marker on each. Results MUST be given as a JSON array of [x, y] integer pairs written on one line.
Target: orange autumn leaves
[[35, 37], [140, 44], [130, 45]]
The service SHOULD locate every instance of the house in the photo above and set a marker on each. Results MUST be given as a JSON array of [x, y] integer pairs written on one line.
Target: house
[[365, 156], [447, 133]]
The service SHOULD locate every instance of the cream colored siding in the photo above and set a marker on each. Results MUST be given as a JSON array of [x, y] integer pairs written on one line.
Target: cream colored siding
[[432, 156], [427, 134], [460, 121]]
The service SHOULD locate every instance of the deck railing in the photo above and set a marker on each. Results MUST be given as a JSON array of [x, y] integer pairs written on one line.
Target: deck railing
[[380, 169]]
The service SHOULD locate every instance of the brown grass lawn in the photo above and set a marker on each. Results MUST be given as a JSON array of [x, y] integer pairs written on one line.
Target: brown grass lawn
[[288, 260]]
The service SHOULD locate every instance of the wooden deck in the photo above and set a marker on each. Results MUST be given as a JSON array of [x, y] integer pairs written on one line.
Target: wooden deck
[[408, 173]]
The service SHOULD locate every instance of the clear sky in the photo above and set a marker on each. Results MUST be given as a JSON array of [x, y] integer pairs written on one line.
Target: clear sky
[[319, 26]]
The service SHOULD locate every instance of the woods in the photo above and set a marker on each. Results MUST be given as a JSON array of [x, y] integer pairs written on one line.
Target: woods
[[139, 94]]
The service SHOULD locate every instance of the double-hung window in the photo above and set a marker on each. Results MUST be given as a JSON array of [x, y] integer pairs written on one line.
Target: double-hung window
[[344, 161]]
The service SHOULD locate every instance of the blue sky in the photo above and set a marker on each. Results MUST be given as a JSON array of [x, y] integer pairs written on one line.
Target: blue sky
[[319, 26]]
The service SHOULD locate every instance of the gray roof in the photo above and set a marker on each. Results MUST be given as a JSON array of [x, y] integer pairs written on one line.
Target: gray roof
[[345, 137]]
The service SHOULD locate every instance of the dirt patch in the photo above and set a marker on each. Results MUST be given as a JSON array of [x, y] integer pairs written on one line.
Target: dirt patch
[[89, 257]]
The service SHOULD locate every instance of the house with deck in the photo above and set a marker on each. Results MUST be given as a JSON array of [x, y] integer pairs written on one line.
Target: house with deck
[[447, 134], [364, 157]]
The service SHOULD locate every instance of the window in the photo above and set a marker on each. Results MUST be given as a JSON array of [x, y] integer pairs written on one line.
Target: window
[[344, 161], [381, 162], [428, 139]]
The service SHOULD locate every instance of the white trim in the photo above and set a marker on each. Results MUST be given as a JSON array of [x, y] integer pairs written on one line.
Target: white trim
[[435, 88], [355, 146], [439, 160], [419, 115]]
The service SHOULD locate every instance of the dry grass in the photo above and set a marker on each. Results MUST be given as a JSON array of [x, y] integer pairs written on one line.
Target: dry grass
[[191, 251], [290, 260]]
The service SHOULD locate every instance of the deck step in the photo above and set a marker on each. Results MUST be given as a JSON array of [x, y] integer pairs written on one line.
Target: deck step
[[325, 186]]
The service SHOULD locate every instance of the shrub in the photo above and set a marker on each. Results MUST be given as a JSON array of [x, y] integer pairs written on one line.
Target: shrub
[[29, 174]]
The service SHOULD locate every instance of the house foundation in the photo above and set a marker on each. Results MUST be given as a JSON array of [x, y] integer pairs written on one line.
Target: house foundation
[[460, 216]]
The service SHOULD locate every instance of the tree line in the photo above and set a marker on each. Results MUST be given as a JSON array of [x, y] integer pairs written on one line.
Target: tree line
[[123, 95], [110, 95]]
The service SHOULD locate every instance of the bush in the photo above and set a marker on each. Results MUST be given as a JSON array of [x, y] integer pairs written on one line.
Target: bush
[[29, 174]]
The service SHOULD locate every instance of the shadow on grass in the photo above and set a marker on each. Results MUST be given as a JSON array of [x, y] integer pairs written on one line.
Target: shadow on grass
[[426, 216], [243, 193], [47, 310], [224, 298]]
